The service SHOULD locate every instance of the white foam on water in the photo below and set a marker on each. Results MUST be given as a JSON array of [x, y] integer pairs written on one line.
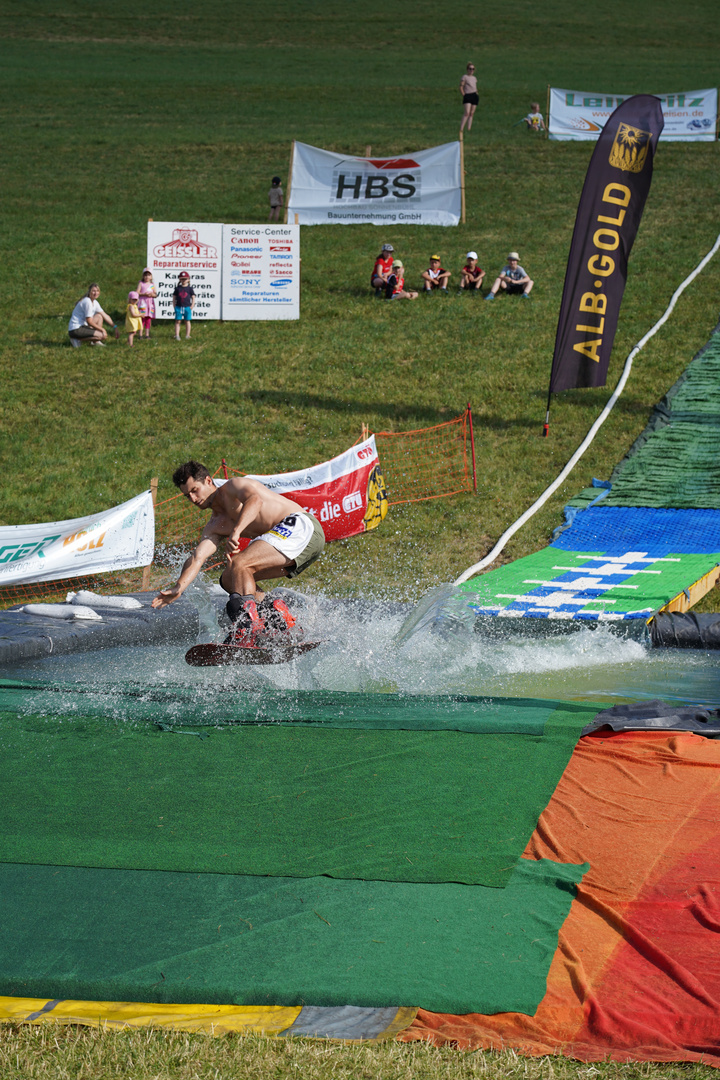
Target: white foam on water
[[359, 652]]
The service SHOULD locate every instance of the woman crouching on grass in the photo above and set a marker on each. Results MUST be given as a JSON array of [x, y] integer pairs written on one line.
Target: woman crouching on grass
[[86, 321]]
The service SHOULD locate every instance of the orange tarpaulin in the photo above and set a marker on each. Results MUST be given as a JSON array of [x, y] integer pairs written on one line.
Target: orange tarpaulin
[[636, 975]]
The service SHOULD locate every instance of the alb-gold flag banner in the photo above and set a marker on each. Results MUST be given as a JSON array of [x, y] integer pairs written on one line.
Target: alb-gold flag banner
[[611, 206]]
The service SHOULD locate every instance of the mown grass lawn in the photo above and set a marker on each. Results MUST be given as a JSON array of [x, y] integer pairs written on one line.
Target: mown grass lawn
[[112, 115]]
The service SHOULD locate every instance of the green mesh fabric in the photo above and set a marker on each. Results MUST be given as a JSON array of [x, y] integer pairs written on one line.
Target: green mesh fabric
[[128, 935], [674, 462], [431, 806]]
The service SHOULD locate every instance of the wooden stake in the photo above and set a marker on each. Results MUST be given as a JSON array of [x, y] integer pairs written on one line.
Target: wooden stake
[[146, 569], [289, 183], [462, 178], [368, 151], [547, 114], [364, 432]]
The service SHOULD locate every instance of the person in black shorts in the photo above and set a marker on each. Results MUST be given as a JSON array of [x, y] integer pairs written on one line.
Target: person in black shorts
[[468, 89]]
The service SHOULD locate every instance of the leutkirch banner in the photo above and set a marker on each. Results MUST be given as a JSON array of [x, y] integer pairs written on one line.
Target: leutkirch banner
[[114, 539], [420, 188], [689, 116], [611, 206]]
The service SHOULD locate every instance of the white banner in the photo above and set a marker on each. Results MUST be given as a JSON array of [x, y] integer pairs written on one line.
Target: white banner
[[421, 188], [261, 272], [196, 246], [690, 116], [115, 539]]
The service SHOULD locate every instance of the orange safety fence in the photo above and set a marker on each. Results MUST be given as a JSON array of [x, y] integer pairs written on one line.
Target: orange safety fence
[[428, 463]]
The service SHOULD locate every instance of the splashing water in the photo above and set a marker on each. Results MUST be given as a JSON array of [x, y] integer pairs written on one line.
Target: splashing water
[[360, 652]]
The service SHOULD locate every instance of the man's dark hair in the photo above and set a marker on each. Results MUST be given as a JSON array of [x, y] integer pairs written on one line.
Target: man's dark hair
[[190, 469]]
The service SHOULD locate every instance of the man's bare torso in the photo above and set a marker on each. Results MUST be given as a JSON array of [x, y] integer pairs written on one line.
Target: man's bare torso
[[228, 503]]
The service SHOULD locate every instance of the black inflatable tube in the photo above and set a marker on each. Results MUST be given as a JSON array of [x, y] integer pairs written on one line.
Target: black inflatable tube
[[685, 630]]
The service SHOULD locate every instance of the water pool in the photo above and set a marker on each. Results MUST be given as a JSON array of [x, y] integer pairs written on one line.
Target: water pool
[[359, 654]]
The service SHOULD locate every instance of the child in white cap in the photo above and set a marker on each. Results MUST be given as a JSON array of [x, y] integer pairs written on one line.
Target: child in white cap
[[471, 275]]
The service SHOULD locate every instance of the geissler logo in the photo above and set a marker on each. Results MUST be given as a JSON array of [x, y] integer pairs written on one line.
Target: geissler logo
[[375, 178], [185, 245]]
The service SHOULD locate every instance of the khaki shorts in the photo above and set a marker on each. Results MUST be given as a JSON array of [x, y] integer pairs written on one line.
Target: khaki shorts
[[312, 550]]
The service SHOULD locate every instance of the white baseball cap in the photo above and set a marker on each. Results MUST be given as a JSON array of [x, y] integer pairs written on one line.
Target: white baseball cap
[[471, 255]]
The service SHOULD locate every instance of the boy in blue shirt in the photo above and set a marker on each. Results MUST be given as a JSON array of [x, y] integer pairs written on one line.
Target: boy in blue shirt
[[184, 302]]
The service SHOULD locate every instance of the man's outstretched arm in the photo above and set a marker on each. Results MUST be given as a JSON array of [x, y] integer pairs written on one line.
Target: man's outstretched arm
[[191, 568]]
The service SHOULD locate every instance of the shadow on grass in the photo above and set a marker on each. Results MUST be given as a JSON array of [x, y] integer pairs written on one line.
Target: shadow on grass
[[330, 404]]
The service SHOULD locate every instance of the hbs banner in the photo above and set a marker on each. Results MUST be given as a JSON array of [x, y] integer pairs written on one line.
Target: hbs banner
[[611, 206], [421, 188]]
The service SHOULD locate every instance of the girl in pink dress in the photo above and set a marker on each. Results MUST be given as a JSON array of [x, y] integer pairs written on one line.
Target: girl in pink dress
[[146, 300]]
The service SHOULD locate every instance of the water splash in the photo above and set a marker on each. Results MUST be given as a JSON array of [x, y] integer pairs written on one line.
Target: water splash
[[360, 652]]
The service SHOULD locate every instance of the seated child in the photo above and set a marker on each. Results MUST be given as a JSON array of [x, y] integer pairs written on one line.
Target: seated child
[[379, 279], [399, 290], [513, 278], [435, 277], [534, 119], [471, 275]]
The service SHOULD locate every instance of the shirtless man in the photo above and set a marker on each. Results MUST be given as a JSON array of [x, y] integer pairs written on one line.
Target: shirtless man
[[285, 539], [468, 89]]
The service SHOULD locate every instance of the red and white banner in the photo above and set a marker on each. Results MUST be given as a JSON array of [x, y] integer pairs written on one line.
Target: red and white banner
[[347, 494]]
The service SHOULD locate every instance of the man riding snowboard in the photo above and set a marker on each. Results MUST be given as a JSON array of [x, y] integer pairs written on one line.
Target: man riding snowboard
[[284, 541]]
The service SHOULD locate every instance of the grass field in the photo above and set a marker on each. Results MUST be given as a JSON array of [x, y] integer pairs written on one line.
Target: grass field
[[113, 115]]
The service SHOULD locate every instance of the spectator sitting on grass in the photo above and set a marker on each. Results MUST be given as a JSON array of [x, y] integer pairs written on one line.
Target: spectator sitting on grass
[[512, 279], [399, 290], [534, 119], [435, 277], [382, 270], [471, 275], [86, 321]]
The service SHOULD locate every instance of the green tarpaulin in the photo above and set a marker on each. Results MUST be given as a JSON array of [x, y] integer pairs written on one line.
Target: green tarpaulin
[[429, 806], [121, 935]]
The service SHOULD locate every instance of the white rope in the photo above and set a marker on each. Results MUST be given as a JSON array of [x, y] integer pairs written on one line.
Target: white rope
[[593, 430]]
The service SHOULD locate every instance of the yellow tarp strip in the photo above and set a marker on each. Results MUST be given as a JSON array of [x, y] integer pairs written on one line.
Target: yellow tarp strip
[[214, 1019]]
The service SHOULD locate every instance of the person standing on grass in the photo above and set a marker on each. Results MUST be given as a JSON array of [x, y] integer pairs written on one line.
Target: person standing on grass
[[148, 294], [284, 541], [133, 318], [468, 90], [277, 199], [513, 278], [184, 302], [86, 321]]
